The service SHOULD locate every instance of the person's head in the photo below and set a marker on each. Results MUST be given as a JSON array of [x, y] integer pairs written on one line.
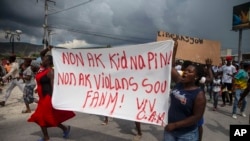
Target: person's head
[[246, 66], [193, 74], [47, 61], [27, 61], [185, 64], [23, 66], [35, 66], [229, 60], [12, 58]]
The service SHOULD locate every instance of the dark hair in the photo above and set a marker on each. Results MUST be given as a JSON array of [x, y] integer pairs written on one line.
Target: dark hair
[[185, 64], [199, 69], [12, 58], [199, 73], [50, 58]]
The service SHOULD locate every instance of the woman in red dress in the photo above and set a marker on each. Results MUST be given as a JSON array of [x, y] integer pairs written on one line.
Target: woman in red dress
[[45, 115]]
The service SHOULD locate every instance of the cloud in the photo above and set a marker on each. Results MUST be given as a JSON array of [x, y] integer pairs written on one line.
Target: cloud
[[113, 22], [74, 44]]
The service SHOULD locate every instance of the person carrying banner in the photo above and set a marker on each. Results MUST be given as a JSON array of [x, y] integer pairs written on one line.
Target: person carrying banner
[[187, 105], [45, 115], [137, 137]]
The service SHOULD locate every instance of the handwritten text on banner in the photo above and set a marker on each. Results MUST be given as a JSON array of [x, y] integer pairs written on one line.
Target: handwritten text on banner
[[128, 82]]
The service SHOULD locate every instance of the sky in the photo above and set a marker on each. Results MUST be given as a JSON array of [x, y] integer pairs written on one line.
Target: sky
[[87, 23]]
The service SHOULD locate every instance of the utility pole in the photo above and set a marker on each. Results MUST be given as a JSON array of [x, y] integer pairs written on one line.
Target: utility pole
[[239, 47], [50, 33], [45, 25]]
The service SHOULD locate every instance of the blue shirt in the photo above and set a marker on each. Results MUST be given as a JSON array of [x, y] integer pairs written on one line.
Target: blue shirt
[[181, 106]]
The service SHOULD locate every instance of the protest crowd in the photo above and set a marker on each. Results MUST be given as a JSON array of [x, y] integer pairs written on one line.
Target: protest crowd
[[221, 85]]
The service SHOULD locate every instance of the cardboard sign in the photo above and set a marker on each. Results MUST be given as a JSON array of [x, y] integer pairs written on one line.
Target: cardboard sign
[[128, 82], [193, 49]]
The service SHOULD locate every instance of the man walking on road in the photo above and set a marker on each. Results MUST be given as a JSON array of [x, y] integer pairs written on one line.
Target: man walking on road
[[15, 81]]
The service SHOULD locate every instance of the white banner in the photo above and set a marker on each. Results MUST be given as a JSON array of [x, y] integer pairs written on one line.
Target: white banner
[[128, 82]]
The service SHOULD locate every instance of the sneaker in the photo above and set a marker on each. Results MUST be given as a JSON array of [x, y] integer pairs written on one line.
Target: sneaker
[[66, 133], [243, 114], [214, 109], [234, 116]]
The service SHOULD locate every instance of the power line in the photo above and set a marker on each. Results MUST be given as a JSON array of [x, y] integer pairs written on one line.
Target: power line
[[108, 34], [105, 35], [70, 7]]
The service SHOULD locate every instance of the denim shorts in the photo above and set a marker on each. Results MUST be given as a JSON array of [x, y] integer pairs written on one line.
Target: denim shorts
[[181, 136]]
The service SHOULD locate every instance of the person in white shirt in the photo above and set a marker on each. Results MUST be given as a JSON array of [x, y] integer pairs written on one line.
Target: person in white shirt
[[216, 87], [228, 71], [29, 79], [15, 81]]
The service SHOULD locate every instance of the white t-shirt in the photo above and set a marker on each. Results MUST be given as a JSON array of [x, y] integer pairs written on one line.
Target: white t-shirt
[[227, 70], [29, 72], [14, 71], [216, 85]]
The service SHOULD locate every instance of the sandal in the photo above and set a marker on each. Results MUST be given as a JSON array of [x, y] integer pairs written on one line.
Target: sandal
[[42, 139], [137, 137], [66, 133], [104, 123], [26, 111]]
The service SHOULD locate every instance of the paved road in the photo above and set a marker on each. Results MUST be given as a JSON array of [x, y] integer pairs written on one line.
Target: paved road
[[85, 127]]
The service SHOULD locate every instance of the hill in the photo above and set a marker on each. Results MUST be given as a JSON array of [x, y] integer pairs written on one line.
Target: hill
[[20, 49]]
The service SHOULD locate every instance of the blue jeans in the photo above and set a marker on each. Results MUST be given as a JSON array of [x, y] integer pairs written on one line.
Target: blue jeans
[[180, 136], [216, 97], [14, 82], [238, 93]]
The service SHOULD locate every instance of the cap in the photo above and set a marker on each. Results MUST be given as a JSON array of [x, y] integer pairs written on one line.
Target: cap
[[229, 58]]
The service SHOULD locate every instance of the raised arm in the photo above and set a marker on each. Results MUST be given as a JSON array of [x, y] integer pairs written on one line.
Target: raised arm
[[175, 76], [44, 51], [210, 76]]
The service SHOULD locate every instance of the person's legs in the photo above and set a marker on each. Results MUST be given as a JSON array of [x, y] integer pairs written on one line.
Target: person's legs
[[243, 107], [138, 128], [168, 136], [20, 84], [106, 120], [28, 110], [210, 91], [138, 136], [223, 96], [230, 98], [28, 97], [66, 130], [45, 133], [189, 136], [8, 92], [230, 94], [235, 104], [216, 97]]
